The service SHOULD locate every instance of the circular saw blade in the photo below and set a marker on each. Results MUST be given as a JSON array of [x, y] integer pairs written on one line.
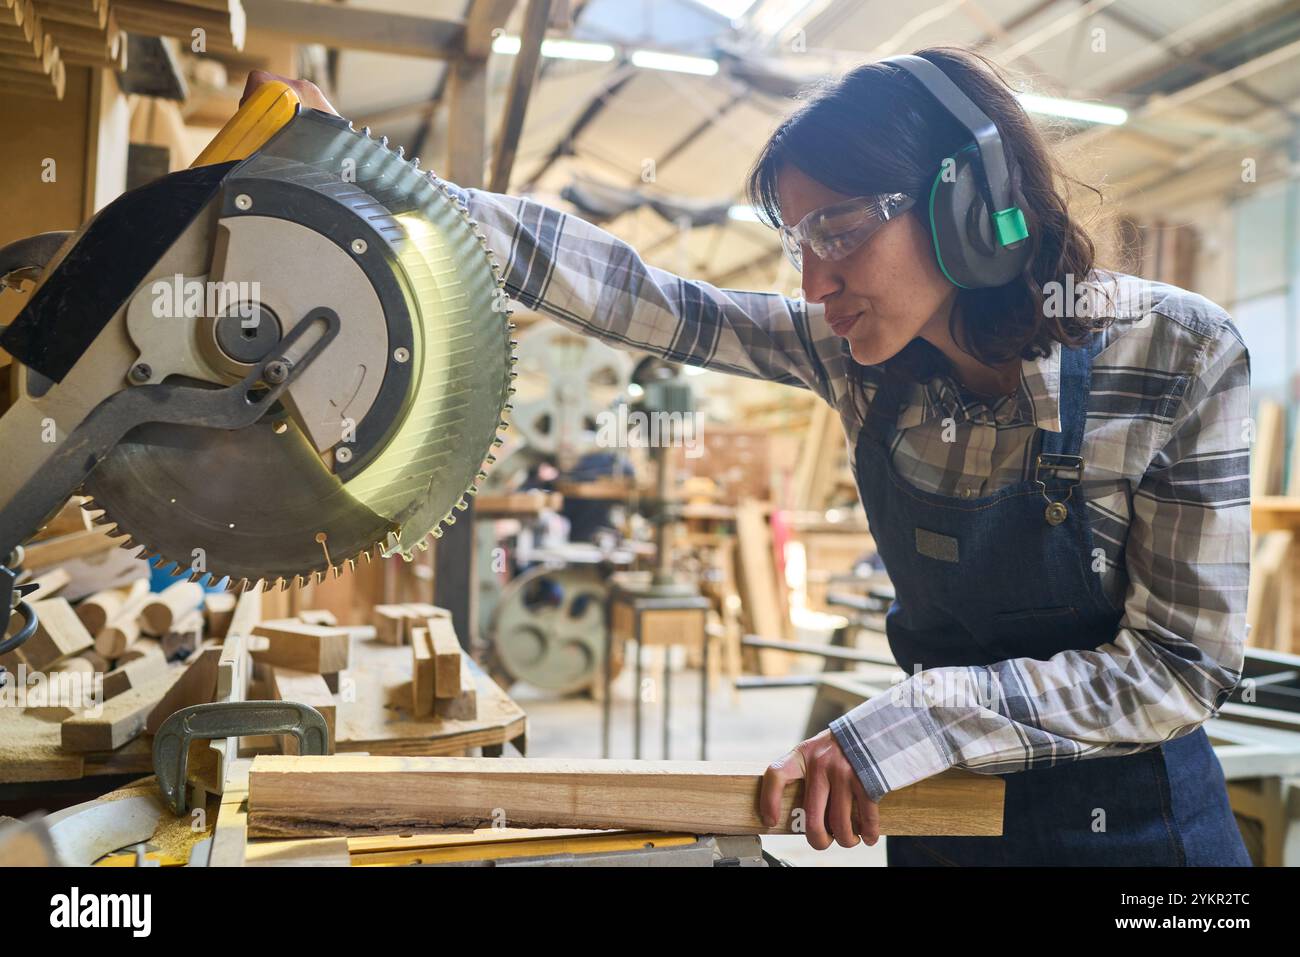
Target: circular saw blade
[[259, 504]]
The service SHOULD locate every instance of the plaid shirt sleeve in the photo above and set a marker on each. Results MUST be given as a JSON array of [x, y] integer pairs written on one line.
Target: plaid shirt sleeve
[[593, 282], [1174, 660]]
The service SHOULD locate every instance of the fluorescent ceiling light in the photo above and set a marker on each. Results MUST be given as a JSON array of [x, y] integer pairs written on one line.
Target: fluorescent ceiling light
[[676, 62], [731, 9], [1073, 109], [558, 49], [744, 214]]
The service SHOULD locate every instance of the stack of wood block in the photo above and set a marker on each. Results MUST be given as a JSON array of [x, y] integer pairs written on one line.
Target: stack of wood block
[[442, 680], [300, 660], [394, 624], [40, 38]]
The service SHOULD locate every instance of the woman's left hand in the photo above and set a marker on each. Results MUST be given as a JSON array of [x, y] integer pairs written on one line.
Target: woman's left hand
[[834, 800]]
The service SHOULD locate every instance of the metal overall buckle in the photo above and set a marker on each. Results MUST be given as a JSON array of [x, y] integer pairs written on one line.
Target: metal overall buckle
[[1057, 512]]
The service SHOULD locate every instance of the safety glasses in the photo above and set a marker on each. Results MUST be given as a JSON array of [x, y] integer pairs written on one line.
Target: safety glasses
[[834, 232]]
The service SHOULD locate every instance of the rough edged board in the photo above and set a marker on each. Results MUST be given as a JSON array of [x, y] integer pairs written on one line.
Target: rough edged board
[[341, 794]]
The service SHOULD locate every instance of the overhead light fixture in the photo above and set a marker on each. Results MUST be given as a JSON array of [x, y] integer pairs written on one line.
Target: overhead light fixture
[[674, 62], [558, 49], [731, 9], [1073, 109]]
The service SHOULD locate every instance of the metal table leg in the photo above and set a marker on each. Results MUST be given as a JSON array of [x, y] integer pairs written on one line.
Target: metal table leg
[[668, 671]]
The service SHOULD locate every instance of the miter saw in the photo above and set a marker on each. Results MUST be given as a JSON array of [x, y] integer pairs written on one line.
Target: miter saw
[[337, 396]]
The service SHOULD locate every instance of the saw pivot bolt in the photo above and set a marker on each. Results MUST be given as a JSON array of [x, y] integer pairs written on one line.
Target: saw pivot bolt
[[401, 354], [359, 246], [343, 454], [243, 202], [277, 371], [140, 373]]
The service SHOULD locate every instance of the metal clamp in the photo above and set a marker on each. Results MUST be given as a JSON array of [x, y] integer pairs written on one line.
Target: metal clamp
[[228, 719]]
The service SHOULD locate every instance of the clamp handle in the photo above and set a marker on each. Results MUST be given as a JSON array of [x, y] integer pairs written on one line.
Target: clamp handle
[[226, 719]]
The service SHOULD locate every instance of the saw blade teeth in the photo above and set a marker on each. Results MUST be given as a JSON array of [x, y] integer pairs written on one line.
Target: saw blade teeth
[[383, 141], [197, 576], [437, 532], [178, 571], [365, 131], [449, 520]]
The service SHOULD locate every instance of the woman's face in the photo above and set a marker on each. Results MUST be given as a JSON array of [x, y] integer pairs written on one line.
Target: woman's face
[[885, 293]]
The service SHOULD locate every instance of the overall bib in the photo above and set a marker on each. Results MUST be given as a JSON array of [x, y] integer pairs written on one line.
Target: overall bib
[[981, 580]]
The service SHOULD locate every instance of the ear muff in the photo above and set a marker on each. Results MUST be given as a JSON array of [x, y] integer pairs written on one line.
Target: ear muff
[[965, 245]]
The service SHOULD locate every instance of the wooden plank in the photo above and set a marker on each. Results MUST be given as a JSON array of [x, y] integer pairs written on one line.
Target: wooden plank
[[422, 673], [59, 634], [136, 673], [446, 652], [523, 77], [47, 584], [343, 794], [196, 686], [464, 705], [122, 719], [55, 550], [757, 579], [248, 612], [303, 647], [352, 28], [304, 688]]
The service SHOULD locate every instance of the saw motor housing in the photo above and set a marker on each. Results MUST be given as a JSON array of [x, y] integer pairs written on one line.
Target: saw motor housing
[[290, 356]]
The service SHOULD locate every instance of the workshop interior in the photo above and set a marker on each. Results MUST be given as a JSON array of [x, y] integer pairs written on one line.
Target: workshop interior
[[325, 544]]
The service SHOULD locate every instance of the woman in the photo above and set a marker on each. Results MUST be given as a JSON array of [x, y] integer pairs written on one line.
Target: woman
[[1054, 462]]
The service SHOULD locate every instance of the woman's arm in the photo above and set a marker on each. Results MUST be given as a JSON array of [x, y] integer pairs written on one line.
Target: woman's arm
[[594, 283], [1177, 654]]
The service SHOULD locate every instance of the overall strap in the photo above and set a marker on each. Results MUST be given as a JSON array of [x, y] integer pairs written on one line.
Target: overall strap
[[1061, 449], [882, 414]]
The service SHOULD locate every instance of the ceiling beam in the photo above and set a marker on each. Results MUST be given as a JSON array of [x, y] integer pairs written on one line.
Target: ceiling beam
[[354, 28], [523, 78]]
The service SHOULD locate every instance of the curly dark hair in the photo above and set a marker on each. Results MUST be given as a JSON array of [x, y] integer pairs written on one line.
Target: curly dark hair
[[878, 130]]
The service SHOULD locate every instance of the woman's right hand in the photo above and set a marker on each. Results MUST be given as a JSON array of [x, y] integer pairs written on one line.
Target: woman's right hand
[[308, 92]]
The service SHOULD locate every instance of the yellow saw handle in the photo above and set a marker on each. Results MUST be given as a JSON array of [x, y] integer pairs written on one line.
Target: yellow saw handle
[[269, 107]]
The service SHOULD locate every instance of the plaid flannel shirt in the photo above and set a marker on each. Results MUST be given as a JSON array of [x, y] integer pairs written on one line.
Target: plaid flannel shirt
[[1167, 478]]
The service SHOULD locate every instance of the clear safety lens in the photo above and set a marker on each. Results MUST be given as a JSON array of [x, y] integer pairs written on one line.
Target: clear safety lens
[[834, 232]]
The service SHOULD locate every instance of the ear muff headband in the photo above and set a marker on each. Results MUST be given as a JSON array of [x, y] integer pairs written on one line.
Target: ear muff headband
[[965, 263]]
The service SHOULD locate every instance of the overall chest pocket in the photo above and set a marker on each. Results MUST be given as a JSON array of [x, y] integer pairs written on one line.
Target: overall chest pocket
[[1033, 632]]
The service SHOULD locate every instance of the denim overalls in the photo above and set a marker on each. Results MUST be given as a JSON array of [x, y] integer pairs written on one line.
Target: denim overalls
[[981, 580]]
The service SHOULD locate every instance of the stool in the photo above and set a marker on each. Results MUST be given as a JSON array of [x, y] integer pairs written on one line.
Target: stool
[[658, 620]]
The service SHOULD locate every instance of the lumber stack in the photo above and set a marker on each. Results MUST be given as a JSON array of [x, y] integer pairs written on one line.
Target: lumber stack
[[31, 63], [345, 794], [39, 39], [442, 681]]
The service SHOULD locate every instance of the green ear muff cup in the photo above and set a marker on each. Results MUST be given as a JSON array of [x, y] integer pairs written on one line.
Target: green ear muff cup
[[965, 244]]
